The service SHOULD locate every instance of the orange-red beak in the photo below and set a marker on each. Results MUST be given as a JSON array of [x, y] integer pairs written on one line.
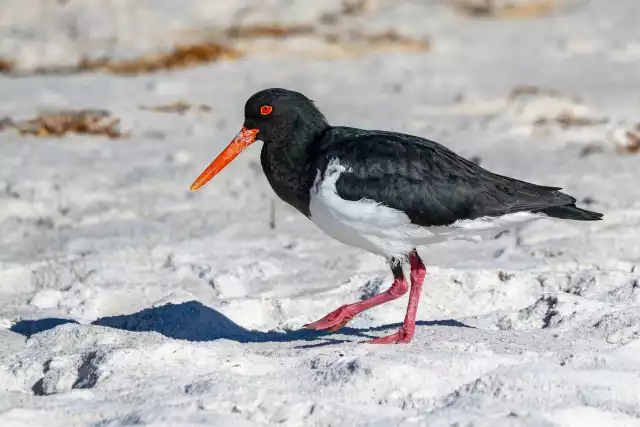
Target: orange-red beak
[[243, 139]]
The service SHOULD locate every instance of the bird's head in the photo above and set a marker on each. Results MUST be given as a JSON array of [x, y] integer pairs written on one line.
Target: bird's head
[[271, 116]]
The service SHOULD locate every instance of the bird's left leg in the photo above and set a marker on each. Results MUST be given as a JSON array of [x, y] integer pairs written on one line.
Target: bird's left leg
[[340, 317], [406, 331]]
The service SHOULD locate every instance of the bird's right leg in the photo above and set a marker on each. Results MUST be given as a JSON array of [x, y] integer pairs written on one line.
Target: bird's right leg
[[406, 331], [340, 317]]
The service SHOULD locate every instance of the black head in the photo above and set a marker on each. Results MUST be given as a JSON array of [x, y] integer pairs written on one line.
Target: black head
[[274, 116], [281, 115]]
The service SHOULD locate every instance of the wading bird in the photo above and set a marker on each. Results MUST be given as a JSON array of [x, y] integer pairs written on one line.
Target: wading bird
[[384, 192]]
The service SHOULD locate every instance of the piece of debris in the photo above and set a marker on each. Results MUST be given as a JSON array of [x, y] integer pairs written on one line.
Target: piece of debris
[[523, 90], [179, 107], [350, 8], [530, 90], [93, 122], [391, 38], [357, 7], [182, 56], [590, 149], [272, 214], [356, 42], [568, 119], [632, 145], [504, 276], [268, 31], [543, 109], [625, 141], [6, 65], [348, 42], [6, 122], [475, 8], [507, 8]]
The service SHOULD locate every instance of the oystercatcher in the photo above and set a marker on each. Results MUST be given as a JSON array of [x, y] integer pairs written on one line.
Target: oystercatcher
[[384, 192]]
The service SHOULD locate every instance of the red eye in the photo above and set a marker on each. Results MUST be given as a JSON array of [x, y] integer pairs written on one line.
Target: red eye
[[266, 110]]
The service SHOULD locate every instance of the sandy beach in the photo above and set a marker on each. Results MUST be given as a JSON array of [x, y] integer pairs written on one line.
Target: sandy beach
[[126, 299]]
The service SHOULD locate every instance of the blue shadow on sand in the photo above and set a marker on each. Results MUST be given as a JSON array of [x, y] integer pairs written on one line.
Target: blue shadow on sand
[[31, 327], [193, 321]]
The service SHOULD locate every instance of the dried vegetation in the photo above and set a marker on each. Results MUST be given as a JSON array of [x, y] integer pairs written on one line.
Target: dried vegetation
[[210, 45], [57, 124], [568, 119], [632, 143], [507, 8], [178, 107]]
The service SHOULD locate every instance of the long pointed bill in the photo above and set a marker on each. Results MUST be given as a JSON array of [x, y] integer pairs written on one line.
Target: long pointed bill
[[243, 139]]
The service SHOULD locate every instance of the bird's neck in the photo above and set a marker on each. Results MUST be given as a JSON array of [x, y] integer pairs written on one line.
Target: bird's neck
[[286, 164]]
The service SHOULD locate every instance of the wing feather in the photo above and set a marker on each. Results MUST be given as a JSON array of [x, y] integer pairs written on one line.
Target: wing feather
[[429, 182]]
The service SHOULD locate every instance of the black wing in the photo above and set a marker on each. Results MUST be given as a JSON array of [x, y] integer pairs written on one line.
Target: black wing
[[429, 182]]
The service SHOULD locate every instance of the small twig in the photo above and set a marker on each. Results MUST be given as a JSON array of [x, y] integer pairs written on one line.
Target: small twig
[[272, 215]]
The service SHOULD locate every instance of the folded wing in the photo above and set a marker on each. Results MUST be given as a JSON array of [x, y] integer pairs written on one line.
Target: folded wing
[[430, 183]]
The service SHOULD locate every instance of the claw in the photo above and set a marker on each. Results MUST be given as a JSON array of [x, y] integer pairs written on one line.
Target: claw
[[333, 321], [401, 337], [338, 326]]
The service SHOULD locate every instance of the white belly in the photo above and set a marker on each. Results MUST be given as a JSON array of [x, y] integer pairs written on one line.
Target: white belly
[[386, 231]]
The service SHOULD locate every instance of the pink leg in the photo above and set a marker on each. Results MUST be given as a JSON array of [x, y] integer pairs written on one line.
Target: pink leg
[[340, 317], [406, 331]]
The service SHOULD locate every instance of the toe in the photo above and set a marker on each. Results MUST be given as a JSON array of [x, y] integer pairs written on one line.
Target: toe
[[332, 321], [338, 326], [390, 339], [400, 337]]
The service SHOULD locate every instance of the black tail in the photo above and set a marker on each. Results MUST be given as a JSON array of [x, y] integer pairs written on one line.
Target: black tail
[[572, 212]]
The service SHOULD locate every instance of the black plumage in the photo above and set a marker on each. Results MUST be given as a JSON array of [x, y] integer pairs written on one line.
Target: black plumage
[[430, 183]]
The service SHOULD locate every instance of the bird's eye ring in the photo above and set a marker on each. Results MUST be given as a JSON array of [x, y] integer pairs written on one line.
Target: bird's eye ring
[[266, 110]]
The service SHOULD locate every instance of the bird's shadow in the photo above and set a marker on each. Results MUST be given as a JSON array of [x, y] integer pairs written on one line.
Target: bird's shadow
[[193, 321], [35, 326]]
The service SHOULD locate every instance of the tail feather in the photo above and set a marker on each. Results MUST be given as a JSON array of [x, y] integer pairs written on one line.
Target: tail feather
[[572, 212]]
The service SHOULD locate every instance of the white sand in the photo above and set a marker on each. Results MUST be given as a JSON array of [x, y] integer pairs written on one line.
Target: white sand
[[125, 299]]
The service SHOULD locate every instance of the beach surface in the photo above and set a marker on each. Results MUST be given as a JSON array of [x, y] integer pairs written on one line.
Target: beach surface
[[126, 299]]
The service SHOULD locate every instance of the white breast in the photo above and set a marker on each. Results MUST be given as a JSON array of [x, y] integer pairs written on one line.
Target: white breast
[[385, 231]]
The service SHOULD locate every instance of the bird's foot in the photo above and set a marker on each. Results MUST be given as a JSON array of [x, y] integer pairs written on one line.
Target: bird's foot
[[403, 336], [334, 320]]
